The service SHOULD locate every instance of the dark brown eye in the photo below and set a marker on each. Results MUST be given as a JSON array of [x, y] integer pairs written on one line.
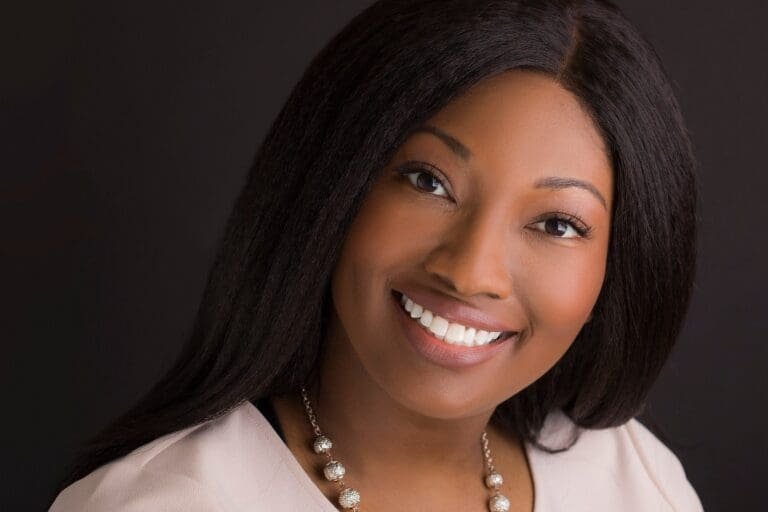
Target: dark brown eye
[[556, 227], [562, 227], [425, 181]]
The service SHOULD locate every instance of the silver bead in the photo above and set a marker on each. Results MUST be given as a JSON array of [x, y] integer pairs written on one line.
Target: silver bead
[[494, 480], [334, 471], [498, 503], [349, 498], [322, 444]]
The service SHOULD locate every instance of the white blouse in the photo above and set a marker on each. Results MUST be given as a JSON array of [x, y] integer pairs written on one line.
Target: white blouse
[[239, 463]]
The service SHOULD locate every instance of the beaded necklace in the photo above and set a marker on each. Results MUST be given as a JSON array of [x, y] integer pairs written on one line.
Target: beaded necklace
[[349, 498]]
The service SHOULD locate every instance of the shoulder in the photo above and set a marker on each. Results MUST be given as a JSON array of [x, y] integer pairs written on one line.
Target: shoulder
[[227, 464], [620, 468]]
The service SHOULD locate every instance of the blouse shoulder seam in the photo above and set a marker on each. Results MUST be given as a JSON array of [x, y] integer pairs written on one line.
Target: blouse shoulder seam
[[631, 428], [194, 482]]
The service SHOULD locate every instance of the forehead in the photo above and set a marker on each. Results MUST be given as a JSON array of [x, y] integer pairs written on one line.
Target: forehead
[[523, 126]]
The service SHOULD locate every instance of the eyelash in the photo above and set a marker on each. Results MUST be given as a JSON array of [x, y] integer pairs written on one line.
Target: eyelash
[[578, 225]]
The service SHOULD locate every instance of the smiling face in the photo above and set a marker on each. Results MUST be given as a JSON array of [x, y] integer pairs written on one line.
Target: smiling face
[[499, 205]]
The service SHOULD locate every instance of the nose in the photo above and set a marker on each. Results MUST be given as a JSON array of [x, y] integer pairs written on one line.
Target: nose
[[474, 259]]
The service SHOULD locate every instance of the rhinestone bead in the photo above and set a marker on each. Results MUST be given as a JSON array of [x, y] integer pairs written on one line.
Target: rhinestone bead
[[334, 471], [349, 498], [498, 503], [322, 444], [494, 481]]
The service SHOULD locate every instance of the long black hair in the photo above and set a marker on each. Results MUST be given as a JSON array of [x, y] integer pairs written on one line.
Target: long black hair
[[261, 322]]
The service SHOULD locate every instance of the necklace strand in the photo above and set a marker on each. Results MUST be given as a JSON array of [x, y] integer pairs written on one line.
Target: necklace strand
[[349, 498]]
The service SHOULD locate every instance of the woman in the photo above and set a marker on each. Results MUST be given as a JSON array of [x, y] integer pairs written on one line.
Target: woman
[[460, 260]]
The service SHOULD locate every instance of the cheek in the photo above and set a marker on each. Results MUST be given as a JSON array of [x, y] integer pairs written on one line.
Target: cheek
[[561, 291], [557, 294], [387, 232], [375, 244]]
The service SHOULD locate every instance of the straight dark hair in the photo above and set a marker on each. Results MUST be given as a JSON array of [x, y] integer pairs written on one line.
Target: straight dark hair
[[261, 322]]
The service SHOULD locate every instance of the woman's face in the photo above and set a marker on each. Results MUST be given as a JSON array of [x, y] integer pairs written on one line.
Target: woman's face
[[496, 214]]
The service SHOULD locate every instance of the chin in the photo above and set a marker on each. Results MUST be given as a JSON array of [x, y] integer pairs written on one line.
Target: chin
[[441, 400]]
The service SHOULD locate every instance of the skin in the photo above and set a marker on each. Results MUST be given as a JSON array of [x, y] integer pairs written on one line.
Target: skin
[[408, 430]]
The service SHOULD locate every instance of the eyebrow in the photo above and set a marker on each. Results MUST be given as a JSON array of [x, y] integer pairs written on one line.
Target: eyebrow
[[452, 142], [550, 182], [557, 183]]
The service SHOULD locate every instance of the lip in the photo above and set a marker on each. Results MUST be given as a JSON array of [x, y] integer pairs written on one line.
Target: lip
[[457, 312], [439, 352]]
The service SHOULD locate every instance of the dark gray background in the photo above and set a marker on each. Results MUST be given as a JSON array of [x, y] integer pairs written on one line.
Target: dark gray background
[[127, 129]]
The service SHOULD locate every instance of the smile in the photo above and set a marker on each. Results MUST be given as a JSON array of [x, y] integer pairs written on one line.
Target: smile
[[451, 333], [440, 350]]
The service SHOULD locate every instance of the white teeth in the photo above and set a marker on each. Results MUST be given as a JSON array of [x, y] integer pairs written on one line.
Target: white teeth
[[426, 319], [438, 326], [469, 337], [455, 333], [452, 333]]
